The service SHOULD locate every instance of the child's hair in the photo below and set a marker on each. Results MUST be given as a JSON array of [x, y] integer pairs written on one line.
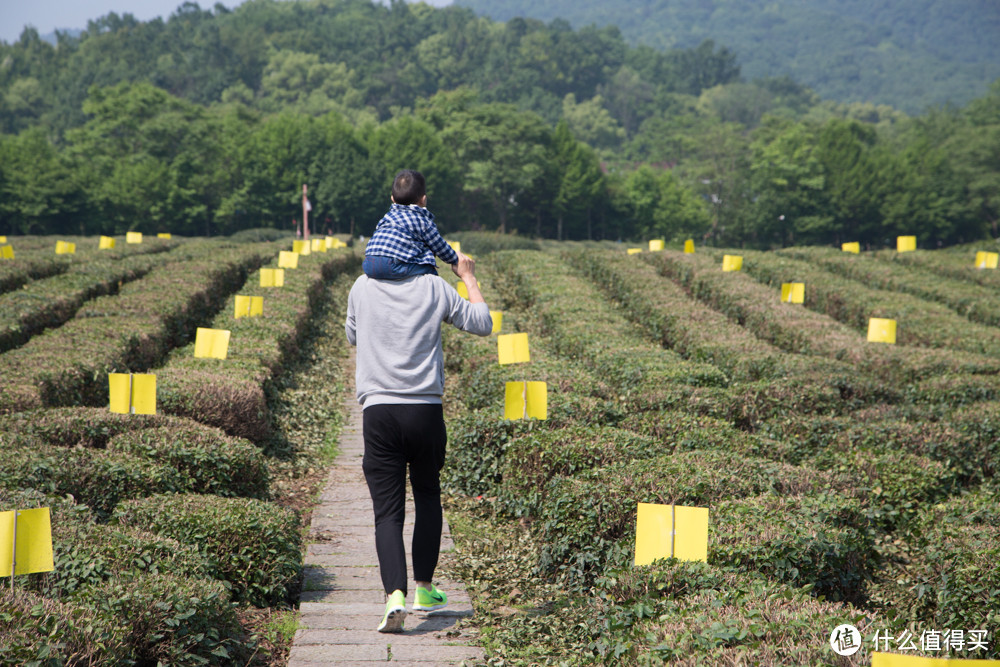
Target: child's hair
[[408, 187]]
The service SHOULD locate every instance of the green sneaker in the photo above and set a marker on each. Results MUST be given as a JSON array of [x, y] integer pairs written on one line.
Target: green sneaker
[[395, 613], [429, 600]]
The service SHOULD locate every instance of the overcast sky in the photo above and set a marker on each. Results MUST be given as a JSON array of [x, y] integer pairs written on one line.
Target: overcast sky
[[48, 15]]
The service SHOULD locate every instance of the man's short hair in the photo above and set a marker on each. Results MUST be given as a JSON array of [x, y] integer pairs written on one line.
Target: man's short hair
[[408, 187]]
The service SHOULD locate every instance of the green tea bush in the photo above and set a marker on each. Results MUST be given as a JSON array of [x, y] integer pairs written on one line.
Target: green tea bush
[[210, 461], [172, 620], [946, 575], [95, 478], [886, 272], [482, 243], [50, 302], [38, 631], [533, 459], [253, 545], [87, 554], [130, 330], [823, 540], [582, 326], [261, 235], [232, 394], [921, 323], [30, 265], [589, 519], [955, 262], [881, 370], [672, 611], [964, 442], [477, 442], [680, 323]]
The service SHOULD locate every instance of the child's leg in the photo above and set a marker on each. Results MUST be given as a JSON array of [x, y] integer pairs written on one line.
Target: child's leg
[[403, 270], [379, 267], [390, 268]]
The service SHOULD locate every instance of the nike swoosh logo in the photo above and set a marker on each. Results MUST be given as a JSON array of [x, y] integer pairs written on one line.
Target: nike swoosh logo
[[437, 597]]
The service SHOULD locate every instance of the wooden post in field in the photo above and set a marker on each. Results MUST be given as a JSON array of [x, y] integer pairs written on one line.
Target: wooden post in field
[[305, 212]]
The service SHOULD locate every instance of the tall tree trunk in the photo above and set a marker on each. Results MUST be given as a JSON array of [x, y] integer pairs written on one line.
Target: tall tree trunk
[[559, 227]]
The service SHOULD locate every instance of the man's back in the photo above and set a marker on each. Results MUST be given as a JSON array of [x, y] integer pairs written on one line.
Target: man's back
[[396, 325]]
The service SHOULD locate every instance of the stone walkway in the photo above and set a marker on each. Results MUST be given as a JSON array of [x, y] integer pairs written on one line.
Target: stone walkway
[[342, 598]]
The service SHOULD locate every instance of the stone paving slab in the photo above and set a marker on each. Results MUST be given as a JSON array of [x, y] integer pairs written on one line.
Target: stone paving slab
[[342, 600], [414, 623]]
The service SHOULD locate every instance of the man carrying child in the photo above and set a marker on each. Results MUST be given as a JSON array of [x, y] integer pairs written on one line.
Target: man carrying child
[[394, 316]]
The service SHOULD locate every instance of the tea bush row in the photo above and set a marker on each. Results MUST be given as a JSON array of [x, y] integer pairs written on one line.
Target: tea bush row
[[954, 262], [127, 597], [772, 380], [205, 459], [796, 329], [582, 327], [128, 331], [35, 258], [886, 272], [846, 523], [920, 323], [232, 394], [47, 303]]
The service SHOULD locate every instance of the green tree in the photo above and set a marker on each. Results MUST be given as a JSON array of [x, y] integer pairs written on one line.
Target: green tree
[[148, 159], [406, 142], [580, 180]]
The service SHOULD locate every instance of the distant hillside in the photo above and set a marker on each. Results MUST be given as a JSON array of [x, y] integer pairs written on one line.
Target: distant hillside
[[908, 53]]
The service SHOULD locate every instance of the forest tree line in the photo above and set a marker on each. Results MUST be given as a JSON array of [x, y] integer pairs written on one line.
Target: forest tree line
[[911, 54], [210, 122]]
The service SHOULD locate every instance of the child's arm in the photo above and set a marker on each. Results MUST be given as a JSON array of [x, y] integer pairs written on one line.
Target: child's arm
[[437, 244]]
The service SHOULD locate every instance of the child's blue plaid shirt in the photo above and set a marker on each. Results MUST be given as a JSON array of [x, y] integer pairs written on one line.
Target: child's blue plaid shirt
[[408, 233]]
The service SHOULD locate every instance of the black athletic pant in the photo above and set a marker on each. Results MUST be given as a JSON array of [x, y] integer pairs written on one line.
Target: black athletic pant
[[397, 435]]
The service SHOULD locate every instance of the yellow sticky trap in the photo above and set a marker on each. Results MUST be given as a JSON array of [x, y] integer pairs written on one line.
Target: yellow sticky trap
[[272, 277], [526, 399], [987, 260], [497, 316], [34, 541], [163, 235], [689, 247], [906, 243], [133, 237], [854, 247], [301, 247], [249, 306], [3, 239], [332, 242], [655, 245], [106, 243], [513, 348], [288, 259], [880, 659], [732, 262], [664, 531], [132, 393], [793, 292], [455, 245], [633, 251], [7, 252], [211, 343], [881, 330], [65, 248], [318, 245]]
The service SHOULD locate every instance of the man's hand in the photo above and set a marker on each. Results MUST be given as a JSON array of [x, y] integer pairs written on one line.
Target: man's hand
[[466, 270], [465, 266]]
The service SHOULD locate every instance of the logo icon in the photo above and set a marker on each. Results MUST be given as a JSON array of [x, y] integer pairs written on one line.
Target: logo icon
[[845, 639]]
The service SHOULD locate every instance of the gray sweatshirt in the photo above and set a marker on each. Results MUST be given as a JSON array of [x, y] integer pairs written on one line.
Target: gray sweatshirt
[[396, 326]]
